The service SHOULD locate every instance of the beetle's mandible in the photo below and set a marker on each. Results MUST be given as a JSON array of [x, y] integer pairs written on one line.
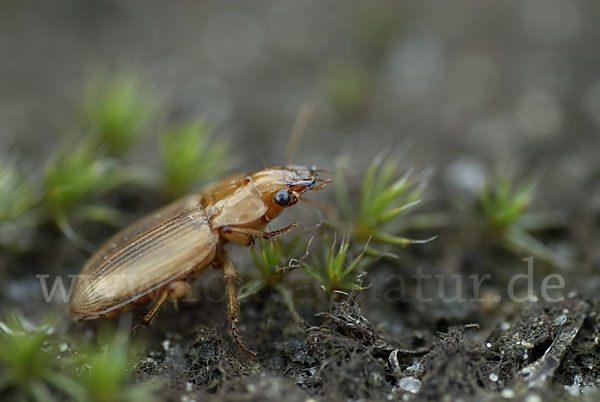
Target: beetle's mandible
[[155, 258]]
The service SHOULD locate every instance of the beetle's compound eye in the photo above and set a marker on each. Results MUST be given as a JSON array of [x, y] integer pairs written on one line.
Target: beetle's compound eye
[[282, 198]]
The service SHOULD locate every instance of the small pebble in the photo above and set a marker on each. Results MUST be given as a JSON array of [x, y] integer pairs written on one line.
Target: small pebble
[[560, 320], [466, 174], [573, 390], [505, 326], [393, 361], [507, 393], [528, 345], [416, 366], [410, 384], [493, 377], [533, 398]]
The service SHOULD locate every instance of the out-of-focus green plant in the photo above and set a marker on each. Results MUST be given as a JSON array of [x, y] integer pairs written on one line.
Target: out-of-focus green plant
[[383, 199], [19, 197], [18, 193], [72, 176], [333, 272], [502, 204], [34, 367], [107, 377], [504, 208], [118, 111], [348, 87], [29, 367], [190, 156], [377, 24]]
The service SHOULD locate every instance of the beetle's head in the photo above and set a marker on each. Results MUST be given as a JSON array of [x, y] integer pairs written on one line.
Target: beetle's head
[[282, 187]]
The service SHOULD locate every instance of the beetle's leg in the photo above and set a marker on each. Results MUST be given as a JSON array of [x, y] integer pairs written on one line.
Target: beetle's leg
[[176, 290], [233, 306], [252, 233], [153, 311], [268, 235]]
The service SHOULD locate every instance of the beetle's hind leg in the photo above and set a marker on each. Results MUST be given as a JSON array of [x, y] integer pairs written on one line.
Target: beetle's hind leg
[[175, 290], [233, 307]]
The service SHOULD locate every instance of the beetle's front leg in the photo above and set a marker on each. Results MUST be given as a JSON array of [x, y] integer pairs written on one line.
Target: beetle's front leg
[[233, 307], [268, 235], [246, 236]]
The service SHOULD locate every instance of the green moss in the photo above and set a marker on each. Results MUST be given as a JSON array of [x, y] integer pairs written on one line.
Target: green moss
[[18, 193], [73, 176], [377, 24], [119, 111], [191, 156], [34, 367], [348, 87], [504, 206], [107, 373], [383, 201], [29, 367], [273, 260], [333, 272]]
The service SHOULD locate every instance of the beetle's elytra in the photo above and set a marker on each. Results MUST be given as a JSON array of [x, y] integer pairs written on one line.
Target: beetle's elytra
[[156, 258]]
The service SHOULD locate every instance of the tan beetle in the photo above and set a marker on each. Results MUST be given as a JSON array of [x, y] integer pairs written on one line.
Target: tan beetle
[[156, 258]]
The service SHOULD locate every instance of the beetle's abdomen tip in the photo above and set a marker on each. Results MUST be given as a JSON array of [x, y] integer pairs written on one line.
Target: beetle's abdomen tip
[[75, 314], [82, 316]]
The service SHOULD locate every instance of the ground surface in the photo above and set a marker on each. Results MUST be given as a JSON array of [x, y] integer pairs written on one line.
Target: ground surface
[[464, 87]]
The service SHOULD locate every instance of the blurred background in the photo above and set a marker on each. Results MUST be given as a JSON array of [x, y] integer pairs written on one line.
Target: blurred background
[[513, 82]]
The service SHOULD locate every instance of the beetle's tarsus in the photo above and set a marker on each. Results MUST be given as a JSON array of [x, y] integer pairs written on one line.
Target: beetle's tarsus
[[134, 329], [268, 235], [238, 339]]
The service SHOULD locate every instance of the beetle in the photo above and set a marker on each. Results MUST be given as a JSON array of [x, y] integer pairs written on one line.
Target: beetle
[[156, 258]]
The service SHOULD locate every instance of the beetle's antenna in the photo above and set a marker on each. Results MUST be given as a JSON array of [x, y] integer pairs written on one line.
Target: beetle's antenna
[[302, 119]]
